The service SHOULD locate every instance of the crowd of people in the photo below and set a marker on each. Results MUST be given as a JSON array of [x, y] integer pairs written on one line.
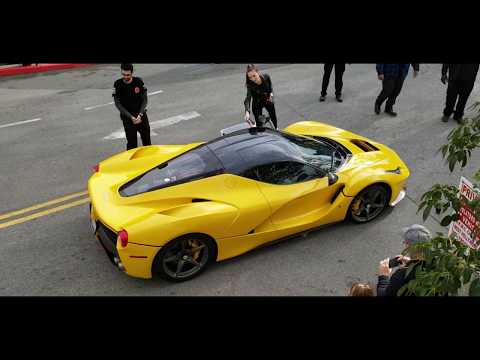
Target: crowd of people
[[130, 94]]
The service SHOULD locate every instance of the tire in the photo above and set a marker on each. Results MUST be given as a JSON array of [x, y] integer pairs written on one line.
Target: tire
[[374, 197], [176, 262]]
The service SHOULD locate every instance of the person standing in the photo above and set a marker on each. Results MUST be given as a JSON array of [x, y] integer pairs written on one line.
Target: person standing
[[339, 70], [130, 95], [259, 95], [392, 77], [461, 78]]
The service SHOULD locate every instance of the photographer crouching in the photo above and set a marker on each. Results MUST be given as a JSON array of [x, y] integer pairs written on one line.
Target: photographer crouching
[[389, 281]]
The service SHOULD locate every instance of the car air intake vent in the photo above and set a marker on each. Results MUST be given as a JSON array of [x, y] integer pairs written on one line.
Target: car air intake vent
[[364, 145], [199, 200], [335, 196]]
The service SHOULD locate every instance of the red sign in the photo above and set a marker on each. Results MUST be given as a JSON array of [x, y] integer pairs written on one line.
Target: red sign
[[463, 228]]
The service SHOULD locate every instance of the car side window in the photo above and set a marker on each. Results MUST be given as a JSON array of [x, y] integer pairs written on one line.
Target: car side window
[[283, 173], [194, 164]]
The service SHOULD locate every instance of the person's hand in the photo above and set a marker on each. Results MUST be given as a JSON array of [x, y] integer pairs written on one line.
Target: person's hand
[[403, 259], [248, 120], [270, 98], [444, 79], [134, 119], [415, 74], [139, 119], [380, 77], [383, 268]]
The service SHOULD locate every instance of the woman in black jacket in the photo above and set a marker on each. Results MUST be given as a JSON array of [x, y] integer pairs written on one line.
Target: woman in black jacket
[[260, 90]]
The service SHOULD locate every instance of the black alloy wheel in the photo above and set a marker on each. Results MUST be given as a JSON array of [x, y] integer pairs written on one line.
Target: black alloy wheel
[[184, 258], [369, 203]]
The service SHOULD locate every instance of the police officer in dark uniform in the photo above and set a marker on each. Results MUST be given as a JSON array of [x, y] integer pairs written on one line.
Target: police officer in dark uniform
[[461, 79], [130, 95]]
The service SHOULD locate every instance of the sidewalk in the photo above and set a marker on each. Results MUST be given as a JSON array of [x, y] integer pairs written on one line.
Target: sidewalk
[[18, 69]]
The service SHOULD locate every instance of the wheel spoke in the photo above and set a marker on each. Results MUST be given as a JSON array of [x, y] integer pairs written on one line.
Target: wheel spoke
[[180, 265], [375, 195], [192, 261], [195, 249], [367, 212], [170, 258]]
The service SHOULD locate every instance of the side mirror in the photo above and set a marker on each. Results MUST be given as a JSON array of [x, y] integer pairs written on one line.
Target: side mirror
[[332, 178]]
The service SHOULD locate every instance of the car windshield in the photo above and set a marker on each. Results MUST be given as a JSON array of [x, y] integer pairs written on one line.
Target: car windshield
[[313, 152]]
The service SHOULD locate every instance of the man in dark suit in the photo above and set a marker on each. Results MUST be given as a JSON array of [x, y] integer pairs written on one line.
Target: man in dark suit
[[392, 77], [461, 78]]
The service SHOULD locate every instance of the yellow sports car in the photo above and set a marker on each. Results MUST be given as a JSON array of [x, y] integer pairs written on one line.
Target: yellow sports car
[[170, 210]]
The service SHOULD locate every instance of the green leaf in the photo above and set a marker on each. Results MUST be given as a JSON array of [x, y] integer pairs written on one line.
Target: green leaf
[[444, 149], [464, 160], [421, 206], [446, 220], [426, 212], [474, 288], [451, 163]]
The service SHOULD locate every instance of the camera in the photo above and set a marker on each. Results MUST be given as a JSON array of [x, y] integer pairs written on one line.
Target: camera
[[394, 262]]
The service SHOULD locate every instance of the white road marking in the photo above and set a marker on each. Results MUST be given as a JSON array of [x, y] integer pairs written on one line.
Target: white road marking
[[20, 123], [120, 134], [155, 92], [97, 106], [111, 103]]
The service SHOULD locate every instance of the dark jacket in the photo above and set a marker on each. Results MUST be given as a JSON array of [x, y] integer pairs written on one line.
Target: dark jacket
[[389, 286], [126, 110], [258, 93], [395, 70], [464, 72]]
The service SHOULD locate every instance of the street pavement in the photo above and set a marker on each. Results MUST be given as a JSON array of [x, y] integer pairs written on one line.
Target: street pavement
[[52, 157]]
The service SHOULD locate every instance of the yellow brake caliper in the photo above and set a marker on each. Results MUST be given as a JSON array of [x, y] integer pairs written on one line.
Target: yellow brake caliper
[[194, 244], [356, 205]]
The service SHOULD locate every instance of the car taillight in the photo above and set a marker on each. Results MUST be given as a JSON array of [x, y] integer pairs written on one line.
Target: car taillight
[[96, 168], [123, 237]]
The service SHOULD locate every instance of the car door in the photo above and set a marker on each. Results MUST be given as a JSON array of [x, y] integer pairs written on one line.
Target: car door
[[298, 193]]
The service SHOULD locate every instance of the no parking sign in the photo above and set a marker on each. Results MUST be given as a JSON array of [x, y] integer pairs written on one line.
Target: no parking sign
[[467, 222]]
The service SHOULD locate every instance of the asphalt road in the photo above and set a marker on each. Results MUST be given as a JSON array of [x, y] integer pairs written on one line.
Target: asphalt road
[[52, 157]]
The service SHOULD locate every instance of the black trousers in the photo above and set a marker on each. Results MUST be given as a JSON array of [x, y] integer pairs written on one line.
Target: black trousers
[[257, 111], [457, 89], [339, 70], [131, 132], [391, 87]]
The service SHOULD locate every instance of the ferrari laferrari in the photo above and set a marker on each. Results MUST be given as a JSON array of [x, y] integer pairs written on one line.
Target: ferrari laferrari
[[171, 210]]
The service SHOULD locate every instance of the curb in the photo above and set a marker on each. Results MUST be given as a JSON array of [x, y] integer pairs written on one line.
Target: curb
[[18, 69]]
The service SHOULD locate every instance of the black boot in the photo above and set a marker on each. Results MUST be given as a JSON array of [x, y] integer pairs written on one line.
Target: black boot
[[377, 109], [390, 112]]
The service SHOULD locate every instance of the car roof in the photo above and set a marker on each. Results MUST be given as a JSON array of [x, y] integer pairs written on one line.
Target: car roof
[[244, 149]]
